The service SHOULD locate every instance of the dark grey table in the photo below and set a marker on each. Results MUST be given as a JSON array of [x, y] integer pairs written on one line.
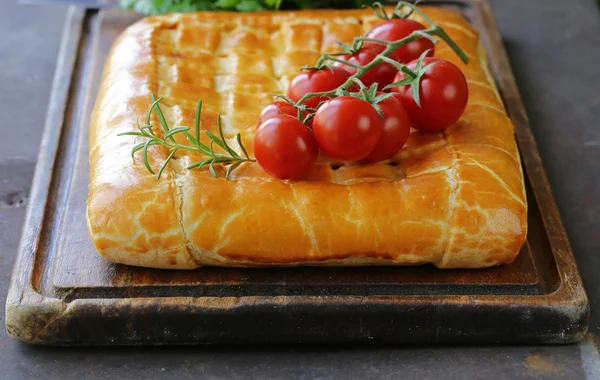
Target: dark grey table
[[554, 46]]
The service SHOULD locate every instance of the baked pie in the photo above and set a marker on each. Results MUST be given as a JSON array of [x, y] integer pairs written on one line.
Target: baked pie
[[455, 199]]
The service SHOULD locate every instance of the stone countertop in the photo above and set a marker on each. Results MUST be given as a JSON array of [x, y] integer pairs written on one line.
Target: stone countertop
[[554, 47]]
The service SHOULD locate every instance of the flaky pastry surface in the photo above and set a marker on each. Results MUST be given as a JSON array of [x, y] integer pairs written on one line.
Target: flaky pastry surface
[[454, 199]]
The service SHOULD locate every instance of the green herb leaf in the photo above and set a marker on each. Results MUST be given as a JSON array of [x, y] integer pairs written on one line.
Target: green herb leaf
[[164, 165], [216, 140], [154, 7], [220, 128], [231, 167], [154, 103], [197, 120], [275, 4], [226, 4], [131, 134], [145, 155], [175, 131], [135, 149], [238, 138], [190, 138], [211, 168], [147, 131], [161, 117], [250, 6], [198, 165]]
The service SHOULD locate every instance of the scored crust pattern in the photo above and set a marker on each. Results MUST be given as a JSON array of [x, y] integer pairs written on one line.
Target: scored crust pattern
[[454, 199]]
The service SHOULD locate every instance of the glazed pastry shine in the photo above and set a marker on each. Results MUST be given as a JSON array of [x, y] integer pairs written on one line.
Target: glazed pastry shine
[[455, 199]]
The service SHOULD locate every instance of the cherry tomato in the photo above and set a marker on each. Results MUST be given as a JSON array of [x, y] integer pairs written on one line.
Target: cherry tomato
[[383, 73], [275, 109], [316, 81], [347, 128], [396, 128], [443, 95], [285, 148], [397, 29]]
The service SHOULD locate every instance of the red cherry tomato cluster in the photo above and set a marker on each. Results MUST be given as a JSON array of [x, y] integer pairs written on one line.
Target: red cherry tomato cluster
[[348, 128]]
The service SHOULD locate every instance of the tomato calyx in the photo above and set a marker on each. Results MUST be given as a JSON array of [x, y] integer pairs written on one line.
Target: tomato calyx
[[304, 112], [398, 12], [302, 108], [412, 77], [443, 93], [370, 94]]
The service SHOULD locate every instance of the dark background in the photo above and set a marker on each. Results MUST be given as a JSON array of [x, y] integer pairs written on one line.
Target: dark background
[[554, 47]]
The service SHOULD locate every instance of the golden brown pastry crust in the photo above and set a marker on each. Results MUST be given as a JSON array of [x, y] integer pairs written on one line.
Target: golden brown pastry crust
[[454, 199]]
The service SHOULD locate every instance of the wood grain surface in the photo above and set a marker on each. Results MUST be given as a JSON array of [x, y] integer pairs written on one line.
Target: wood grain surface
[[63, 293]]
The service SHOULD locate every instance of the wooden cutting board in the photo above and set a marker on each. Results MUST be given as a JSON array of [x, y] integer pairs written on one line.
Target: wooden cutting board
[[63, 293]]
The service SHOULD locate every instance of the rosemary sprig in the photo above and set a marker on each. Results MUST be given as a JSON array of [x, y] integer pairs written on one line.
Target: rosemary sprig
[[413, 76], [146, 131]]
